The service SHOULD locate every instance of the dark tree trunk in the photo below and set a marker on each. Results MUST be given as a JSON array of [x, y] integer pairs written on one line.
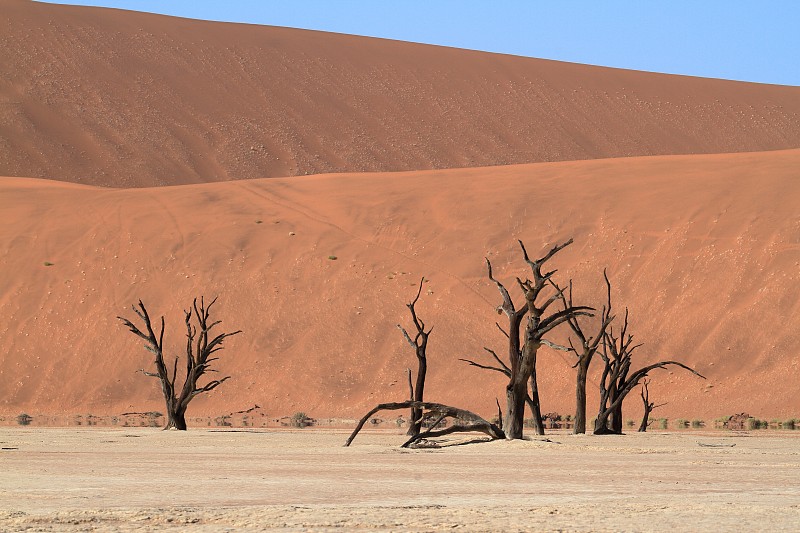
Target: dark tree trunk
[[420, 345], [419, 395], [615, 420], [580, 400], [536, 406], [645, 421], [516, 394], [648, 406], [176, 420], [601, 424]]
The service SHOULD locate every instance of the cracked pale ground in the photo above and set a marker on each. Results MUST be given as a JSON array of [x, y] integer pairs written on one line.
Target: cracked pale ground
[[204, 480]]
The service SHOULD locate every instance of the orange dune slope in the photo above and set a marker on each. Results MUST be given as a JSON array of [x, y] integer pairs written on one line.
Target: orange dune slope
[[124, 99], [316, 270]]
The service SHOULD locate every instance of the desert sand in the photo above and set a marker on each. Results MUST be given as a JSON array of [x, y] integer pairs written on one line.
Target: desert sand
[[124, 99], [703, 249], [145, 480]]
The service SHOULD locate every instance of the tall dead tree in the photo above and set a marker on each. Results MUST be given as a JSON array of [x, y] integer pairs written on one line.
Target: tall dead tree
[[200, 346], [648, 406], [584, 350], [524, 345], [616, 382], [420, 345]]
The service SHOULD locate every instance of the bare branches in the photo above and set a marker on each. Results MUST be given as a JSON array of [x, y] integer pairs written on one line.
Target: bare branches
[[199, 348], [522, 347], [420, 345], [503, 369], [616, 382], [471, 421]]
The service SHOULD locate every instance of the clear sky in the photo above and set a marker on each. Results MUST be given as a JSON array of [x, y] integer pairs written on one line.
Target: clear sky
[[750, 40]]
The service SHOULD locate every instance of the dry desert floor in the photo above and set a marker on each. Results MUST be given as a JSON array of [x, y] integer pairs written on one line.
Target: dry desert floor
[[126, 479]]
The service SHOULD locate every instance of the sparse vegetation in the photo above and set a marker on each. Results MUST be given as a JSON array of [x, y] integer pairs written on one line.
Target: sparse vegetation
[[332, 257], [300, 420], [24, 419], [755, 423], [681, 423], [48, 264]]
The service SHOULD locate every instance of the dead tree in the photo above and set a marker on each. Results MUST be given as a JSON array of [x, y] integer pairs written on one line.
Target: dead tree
[[199, 349], [420, 345], [464, 421], [648, 406], [584, 350], [616, 382], [523, 346]]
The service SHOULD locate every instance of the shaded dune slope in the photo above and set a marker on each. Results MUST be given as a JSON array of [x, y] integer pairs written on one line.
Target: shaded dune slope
[[703, 249], [126, 99]]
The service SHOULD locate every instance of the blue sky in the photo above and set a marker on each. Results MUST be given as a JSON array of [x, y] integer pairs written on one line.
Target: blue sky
[[734, 39]]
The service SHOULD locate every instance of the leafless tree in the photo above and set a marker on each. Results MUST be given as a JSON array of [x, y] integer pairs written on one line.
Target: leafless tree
[[648, 406], [464, 421], [200, 346], [584, 350], [420, 345], [616, 381], [524, 345]]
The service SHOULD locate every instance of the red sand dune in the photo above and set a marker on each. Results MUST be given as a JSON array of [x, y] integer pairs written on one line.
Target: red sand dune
[[704, 250], [125, 99]]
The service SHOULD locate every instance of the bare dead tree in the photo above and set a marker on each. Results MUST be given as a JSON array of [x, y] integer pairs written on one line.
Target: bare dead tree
[[464, 421], [523, 346], [584, 350], [200, 346], [648, 406], [420, 345], [616, 382]]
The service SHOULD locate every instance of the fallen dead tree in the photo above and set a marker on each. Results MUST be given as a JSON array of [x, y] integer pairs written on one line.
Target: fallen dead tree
[[463, 421]]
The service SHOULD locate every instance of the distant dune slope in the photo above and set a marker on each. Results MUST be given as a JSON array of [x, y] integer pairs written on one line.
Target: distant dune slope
[[703, 249], [116, 98]]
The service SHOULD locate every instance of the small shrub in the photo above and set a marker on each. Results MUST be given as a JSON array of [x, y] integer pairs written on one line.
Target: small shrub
[[662, 423], [48, 264], [720, 422], [629, 422], [697, 424], [24, 419], [223, 421], [790, 424], [755, 423], [332, 257], [400, 421], [300, 420], [681, 423]]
